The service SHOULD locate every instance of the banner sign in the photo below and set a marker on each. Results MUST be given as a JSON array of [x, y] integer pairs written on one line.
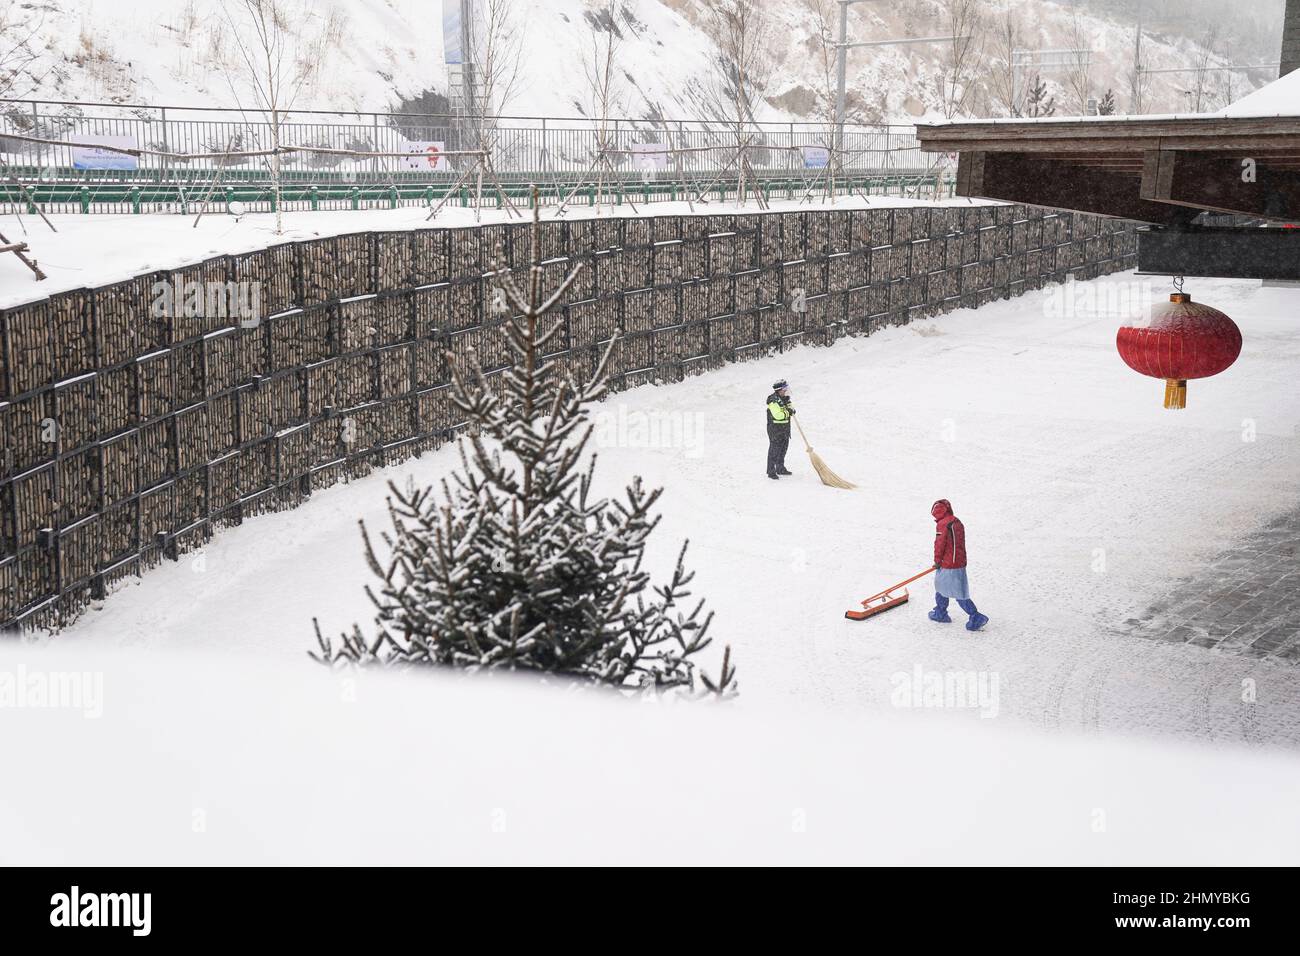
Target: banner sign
[[649, 156], [91, 157], [816, 157], [431, 157]]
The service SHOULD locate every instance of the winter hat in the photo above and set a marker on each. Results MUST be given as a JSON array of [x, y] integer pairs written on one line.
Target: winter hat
[[941, 509], [778, 385]]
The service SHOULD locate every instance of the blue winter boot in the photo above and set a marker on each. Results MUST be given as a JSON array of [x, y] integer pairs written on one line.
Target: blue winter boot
[[977, 620], [939, 613]]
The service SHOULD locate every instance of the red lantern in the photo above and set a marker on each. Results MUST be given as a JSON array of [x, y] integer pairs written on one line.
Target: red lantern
[[1183, 340]]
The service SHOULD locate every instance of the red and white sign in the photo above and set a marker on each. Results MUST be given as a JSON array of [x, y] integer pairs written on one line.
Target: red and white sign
[[431, 157]]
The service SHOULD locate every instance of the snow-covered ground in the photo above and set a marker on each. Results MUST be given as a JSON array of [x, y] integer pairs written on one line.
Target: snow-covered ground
[[223, 758], [98, 249], [1084, 500]]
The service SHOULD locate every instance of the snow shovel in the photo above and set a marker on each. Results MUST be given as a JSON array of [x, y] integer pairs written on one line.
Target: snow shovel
[[823, 470], [885, 599]]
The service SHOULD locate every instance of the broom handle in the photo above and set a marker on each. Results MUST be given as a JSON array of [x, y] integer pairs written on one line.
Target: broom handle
[[912, 578], [806, 446], [900, 584]]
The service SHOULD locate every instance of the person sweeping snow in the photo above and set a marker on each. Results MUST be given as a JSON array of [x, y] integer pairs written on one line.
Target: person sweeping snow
[[779, 413], [950, 568]]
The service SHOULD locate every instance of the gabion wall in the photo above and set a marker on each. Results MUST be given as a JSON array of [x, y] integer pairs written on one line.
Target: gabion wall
[[129, 436]]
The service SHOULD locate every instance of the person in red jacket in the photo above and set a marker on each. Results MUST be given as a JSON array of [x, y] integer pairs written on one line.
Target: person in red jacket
[[950, 567]]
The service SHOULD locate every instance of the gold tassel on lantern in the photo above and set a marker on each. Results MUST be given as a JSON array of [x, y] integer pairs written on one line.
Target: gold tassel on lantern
[[1175, 393]]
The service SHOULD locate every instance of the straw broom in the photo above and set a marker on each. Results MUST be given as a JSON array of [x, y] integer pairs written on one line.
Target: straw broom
[[823, 470]]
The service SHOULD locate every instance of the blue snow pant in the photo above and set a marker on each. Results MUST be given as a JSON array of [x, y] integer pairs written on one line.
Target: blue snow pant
[[967, 605], [778, 440]]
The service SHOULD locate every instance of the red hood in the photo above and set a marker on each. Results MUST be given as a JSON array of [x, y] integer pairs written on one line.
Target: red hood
[[941, 509]]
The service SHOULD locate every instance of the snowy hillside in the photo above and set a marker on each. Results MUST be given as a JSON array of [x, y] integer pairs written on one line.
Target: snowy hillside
[[378, 54]]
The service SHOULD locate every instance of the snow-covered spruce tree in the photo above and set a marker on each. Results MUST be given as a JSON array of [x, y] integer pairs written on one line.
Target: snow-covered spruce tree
[[515, 564]]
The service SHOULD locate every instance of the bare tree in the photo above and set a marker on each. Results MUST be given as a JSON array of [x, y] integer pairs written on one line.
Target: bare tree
[[1202, 79], [491, 44], [276, 54], [742, 69], [1138, 81], [1004, 84], [1079, 71], [497, 53], [963, 56], [826, 58], [604, 90], [18, 49]]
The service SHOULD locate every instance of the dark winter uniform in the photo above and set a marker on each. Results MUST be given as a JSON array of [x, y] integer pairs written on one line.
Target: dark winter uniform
[[779, 413], [950, 567]]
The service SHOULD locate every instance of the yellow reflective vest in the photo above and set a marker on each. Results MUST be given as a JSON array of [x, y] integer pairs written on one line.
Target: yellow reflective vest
[[777, 413]]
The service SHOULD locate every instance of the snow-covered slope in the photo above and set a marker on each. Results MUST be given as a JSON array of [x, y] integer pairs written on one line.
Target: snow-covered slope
[[375, 54]]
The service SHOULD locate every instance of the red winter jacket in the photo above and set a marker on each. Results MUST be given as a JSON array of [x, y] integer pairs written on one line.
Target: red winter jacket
[[949, 536]]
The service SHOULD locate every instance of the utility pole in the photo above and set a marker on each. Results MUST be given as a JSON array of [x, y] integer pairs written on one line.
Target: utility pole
[[842, 59], [842, 49]]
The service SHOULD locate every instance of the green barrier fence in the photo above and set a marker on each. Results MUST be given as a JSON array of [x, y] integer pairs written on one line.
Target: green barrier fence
[[108, 196]]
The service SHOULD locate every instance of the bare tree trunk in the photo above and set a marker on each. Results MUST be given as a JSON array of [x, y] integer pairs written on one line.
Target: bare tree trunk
[[498, 55], [1201, 77], [740, 76], [601, 83], [273, 63], [828, 66], [275, 170], [1137, 94], [1079, 75], [965, 54], [1006, 92]]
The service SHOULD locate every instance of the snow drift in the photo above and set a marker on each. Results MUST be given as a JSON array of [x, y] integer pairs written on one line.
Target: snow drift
[[227, 758]]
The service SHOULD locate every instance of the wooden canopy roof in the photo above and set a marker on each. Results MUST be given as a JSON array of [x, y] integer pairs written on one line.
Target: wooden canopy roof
[[1157, 169]]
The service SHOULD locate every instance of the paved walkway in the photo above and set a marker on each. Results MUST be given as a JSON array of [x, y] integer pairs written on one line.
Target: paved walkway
[[1245, 602]]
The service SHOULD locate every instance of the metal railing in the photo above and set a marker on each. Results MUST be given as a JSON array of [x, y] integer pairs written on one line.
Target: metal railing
[[550, 151]]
